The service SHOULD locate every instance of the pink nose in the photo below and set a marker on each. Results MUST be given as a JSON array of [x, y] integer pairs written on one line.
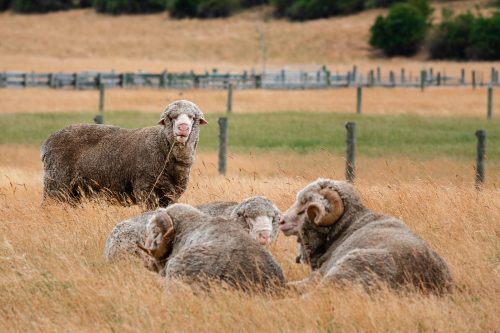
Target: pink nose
[[263, 239], [183, 129], [282, 221]]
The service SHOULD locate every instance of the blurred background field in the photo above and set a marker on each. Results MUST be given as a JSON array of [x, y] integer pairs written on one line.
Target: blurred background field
[[415, 160]]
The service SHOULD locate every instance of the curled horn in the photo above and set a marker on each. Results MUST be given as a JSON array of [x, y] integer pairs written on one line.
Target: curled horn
[[337, 207]]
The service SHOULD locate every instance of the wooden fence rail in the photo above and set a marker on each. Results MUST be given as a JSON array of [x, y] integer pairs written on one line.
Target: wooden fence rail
[[282, 79]]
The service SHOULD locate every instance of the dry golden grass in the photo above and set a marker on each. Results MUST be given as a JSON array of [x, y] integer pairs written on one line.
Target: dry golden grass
[[83, 40], [452, 102], [53, 276]]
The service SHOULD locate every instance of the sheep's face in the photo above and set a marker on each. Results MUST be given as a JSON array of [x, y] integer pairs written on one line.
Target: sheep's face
[[180, 118], [261, 217], [293, 218], [317, 204]]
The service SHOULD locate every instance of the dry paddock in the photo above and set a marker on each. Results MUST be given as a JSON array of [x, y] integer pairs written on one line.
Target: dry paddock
[[53, 276], [445, 102]]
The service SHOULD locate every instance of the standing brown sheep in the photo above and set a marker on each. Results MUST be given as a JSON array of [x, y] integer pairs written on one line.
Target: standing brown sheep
[[343, 241], [148, 165]]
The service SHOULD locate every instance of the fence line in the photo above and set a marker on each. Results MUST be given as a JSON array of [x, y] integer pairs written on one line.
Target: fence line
[[322, 78]]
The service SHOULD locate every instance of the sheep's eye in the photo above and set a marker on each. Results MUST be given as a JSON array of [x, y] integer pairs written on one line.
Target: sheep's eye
[[301, 212], [190, 116]]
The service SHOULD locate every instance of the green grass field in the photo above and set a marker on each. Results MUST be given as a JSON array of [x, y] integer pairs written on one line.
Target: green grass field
[[403, 135]]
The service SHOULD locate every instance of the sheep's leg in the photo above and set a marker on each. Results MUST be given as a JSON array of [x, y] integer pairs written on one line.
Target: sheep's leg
[[367, 267], [145, 195], [54, 188]]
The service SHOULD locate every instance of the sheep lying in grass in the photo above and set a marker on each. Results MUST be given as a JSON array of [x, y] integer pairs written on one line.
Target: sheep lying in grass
[[148, 165], [189, 245], [343, 241], [257, 215]]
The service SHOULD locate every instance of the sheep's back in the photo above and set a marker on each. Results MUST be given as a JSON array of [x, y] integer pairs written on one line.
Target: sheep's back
[[123, 239], [221, 208], [412, 258], [225, 253]]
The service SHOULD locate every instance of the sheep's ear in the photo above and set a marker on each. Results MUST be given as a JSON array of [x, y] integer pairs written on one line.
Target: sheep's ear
[[162, 122], [160, 236], [203, 121], [315, 212]]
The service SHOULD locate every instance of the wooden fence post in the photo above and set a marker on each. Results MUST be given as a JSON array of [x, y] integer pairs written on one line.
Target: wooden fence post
[[403, 79], [423, 77], [490, 102], [359, 97], [481, 151], [462, 76], [99, 119], [3, 79], [474, 79], [222, 145], [229, 97], [350, 167], [77, 81], [379, 75], [123, 80], [438, 79]]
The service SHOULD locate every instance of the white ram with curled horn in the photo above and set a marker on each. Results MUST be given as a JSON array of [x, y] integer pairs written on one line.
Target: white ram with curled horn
[[345, 242]]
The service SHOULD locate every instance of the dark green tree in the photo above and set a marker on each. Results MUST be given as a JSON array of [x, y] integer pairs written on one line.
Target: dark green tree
[[451, 38], [129, 6], [40, 6], [401, 32], [485, 38]]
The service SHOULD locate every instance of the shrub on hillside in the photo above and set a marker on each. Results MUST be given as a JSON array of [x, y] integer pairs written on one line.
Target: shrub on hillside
[[485, 38], [253, 3], [466, 37], [345, 7], [182, 8], [451, 38], [381, 3], [129, 6], [301, 10], [216, 8], [4, 5], [202, 8], [401, 32], [40, 6], [280, 7]]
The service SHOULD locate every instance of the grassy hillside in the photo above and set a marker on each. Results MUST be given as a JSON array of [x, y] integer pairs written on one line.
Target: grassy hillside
[[84, 40]]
